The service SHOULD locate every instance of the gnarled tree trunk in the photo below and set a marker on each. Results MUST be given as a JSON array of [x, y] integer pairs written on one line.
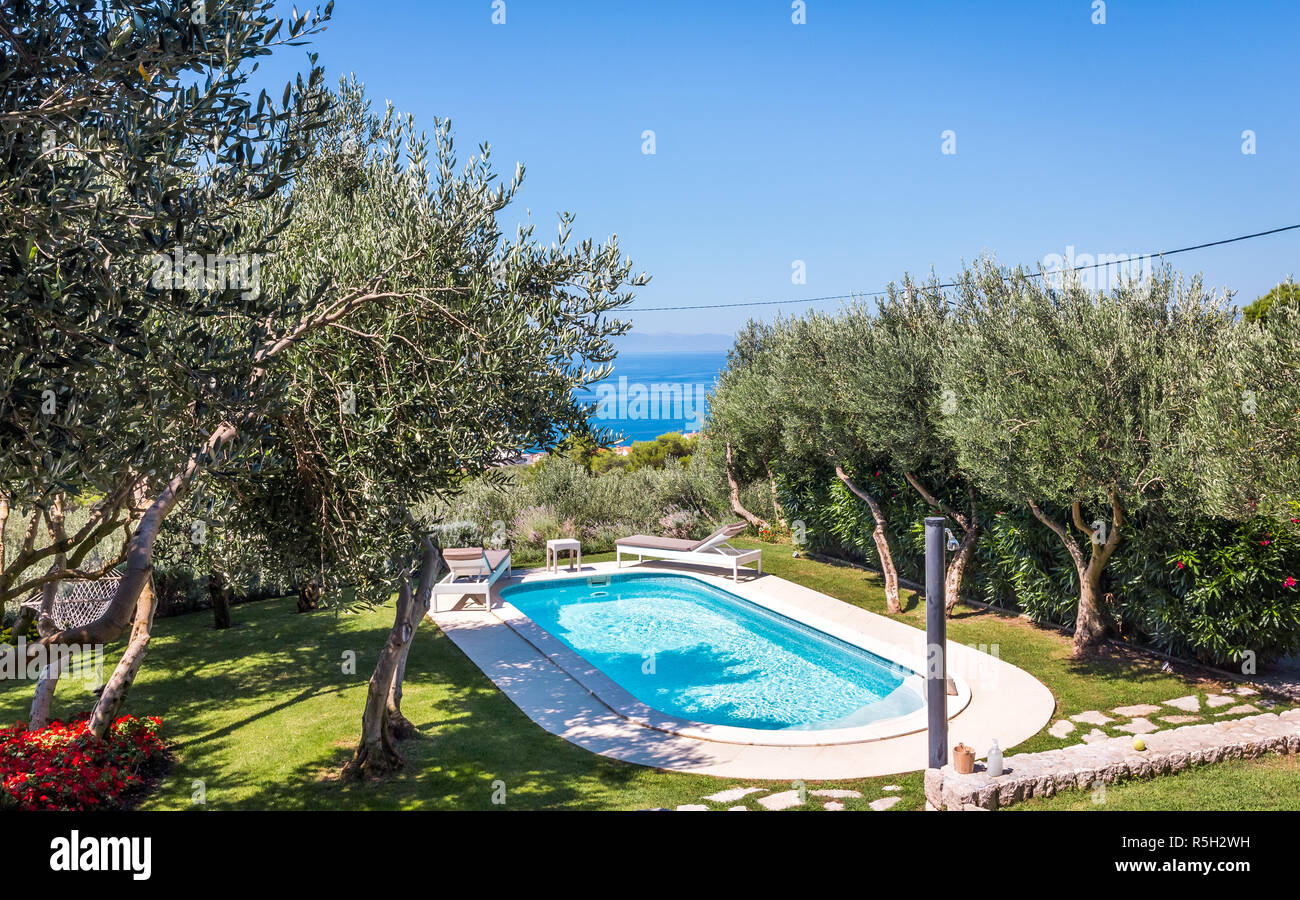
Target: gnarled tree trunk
[[376, 753], [736, 506], [965, 549], [957, 569], [881, 537], [43, 698], [309, 593], [1092, 620], [777, 511], [219, 596], [26, 616], [119, 683], [400, 726], [136, 578], [4, 520]]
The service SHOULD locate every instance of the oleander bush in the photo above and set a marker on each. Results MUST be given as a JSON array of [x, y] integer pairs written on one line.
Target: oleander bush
[[1213, 590]]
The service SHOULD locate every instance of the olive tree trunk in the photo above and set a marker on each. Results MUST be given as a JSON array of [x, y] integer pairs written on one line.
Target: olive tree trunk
[[881, 536], [119, 683], [135, 581], [1092, 622], [736, 506], [309, 594], [398, 725], [777, 511], [4, 520], [43, 698], [219, 596], [970, 528], [377, 754]]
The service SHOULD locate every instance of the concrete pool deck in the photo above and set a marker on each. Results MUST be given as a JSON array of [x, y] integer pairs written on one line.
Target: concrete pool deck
[[1004, 702]]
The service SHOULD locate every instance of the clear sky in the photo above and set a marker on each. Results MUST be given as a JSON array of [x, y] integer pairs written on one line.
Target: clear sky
[[823, 142]]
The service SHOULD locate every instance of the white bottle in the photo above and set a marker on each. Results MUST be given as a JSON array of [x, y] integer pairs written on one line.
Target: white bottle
[[995, 760]]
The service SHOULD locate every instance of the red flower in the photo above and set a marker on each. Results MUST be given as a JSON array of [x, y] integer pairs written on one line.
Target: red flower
[[1290, 581], [1180, 564], [1265, 543], [63, 766]]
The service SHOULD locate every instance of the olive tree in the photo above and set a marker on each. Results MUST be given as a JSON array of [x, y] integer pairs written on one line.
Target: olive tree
[[1071, 400], [885, 372], [131, 140], [817, 361], [476, 358], [1246, 449], [746, 415]]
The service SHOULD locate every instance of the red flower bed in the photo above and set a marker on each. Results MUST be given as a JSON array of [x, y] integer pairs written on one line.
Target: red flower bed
[[66, 767]]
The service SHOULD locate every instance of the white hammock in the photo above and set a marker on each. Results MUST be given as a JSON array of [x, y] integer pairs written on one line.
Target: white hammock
[[78, 603]]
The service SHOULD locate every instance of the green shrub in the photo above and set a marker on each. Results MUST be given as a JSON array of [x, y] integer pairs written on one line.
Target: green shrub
[[559, 498], [1211, 590]]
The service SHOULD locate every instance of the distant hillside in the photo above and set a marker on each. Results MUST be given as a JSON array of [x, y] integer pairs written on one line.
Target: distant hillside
[[640, 342]]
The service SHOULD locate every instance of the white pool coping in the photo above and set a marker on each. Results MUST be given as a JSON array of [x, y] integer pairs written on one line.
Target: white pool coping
[[567, 696]]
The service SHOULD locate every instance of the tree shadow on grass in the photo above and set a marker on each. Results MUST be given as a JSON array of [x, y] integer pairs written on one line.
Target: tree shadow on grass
[[1117, 664], [262, 718]]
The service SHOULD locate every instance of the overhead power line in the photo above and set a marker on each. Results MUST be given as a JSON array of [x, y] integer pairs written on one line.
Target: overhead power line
[[863, 294]]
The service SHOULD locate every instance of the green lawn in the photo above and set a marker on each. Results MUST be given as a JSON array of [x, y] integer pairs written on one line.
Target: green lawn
[[265, 713], [1269, 782]]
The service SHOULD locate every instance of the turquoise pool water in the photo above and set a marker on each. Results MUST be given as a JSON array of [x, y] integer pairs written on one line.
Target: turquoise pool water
[[686, 648]]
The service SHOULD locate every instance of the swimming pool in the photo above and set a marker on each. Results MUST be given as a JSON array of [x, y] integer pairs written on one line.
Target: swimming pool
[[699, 654]]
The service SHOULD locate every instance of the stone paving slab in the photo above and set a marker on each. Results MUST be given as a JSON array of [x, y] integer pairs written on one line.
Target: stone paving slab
[[731, 795], [1239, 710], [1028, 775], [1138, 709], [1060, 728], [1092, 717], [1139, 725], [1216, 700], [1179, 720], [783, 800], [1191, 703]]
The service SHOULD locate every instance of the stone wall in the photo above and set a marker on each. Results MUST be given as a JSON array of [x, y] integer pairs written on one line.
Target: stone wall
[[1083, 766]]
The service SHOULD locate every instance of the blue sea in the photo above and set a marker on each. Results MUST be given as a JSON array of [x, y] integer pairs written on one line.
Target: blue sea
[[653, 393]]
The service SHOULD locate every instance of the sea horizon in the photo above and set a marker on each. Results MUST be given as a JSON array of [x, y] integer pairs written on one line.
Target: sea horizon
[[655, 391]]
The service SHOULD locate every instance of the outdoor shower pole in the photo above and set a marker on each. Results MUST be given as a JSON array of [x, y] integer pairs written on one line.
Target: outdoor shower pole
[[936, 639]]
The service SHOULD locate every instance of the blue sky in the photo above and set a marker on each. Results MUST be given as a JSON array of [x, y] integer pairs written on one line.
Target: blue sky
[[821, 142]]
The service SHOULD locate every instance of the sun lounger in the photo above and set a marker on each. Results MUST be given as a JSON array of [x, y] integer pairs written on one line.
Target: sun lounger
[[712, 551], [472, 570]]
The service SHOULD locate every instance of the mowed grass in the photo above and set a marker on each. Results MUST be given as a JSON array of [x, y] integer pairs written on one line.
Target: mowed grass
[[263, 716], [1265, 783]]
